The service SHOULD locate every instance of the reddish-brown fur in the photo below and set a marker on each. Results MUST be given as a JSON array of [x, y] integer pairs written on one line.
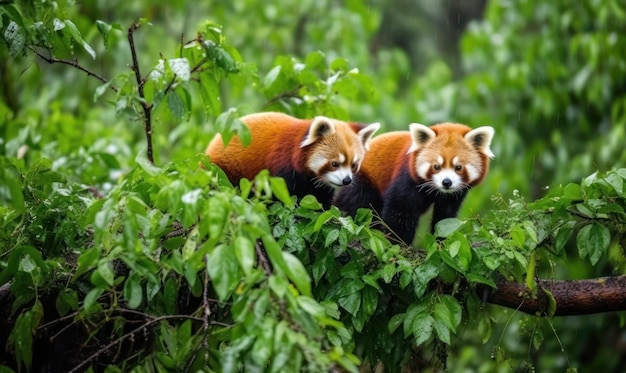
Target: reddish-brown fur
[[406, 172], [277, 145]]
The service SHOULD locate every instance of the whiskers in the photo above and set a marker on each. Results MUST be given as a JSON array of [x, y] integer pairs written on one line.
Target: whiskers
[[430, 187], [319, 182]]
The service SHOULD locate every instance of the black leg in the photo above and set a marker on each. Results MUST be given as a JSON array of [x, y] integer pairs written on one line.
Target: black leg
[[447, 206]]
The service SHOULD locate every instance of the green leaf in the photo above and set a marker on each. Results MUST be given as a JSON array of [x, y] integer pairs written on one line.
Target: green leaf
[[105, 270], [310, 202], [297, 273], [322, 219], [593, 240], [279, 285], [311, 306], [449, 312], [389, 270], [351, 303], [530, 273], [279, 189], [15, 37], [314, 59], [563, 235], [27, 264], [395, 321], [422, 276], [616, 182], [274, 253], [133, 292], [422, 328], [572, 191], [223, 268], [484, 329], [551, 302], [66, 301], [447, 226], [244, 250], [271, 77], [170, 295], [377, 245], [104, 29], [21, 339], [87, 261], [518, 236], [11, 191], [90, 303], [210, 94], [226, 124], [369, 300], [414, 311], [79, 39], [176, 106], [143, 162], [529, 228], [453, 249], [442, 331], [331, 237]]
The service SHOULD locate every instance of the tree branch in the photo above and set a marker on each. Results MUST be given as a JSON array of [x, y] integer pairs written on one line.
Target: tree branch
[[573, 297], [74, 63], [147, 108]]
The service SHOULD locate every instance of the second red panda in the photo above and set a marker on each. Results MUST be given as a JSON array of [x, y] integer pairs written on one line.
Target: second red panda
[[314, 156], [406, 172]]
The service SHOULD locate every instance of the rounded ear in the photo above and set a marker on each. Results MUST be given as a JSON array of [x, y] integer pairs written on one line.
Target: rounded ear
[[365, 135], [320, 127], [420, 135], [480, 138]]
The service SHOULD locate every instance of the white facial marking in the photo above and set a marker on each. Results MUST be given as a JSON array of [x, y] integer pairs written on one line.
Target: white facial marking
[[422, 169], [342, 158], [473, 173], [316, 162], [455, 160], [336, 178], [456, 181], [440, 160]]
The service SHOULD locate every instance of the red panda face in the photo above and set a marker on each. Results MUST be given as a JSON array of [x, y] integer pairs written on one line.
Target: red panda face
[[451, 157], [335, 150]]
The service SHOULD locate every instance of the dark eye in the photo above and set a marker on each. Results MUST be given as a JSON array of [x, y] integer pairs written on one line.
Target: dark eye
[[355, 166], [334, 164], [458, 168], [437, 167]]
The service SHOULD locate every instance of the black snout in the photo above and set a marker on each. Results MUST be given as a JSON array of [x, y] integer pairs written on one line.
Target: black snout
[[447, 183], [347, 180]]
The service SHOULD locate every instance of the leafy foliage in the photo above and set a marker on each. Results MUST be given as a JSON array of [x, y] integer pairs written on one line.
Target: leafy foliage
[[161, 266]]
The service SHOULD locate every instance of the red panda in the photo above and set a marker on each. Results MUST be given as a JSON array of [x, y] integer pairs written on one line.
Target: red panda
[[314, 156], [406, 172]]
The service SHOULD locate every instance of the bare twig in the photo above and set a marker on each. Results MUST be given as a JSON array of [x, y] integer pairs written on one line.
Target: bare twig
[[147, 108], [118, 341], [207, 313], [265, 264], [74, 63], [289, 94]]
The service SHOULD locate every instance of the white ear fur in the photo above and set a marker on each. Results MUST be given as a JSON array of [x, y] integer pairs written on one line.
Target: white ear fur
[[480, 138], [420, 134], [320, 127], [365, 135]]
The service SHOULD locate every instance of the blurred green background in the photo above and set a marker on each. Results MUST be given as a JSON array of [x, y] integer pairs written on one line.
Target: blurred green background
[[550, 77]]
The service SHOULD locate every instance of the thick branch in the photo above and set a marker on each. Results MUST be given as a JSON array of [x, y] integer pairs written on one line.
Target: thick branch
[[573, 297], [147, 108]]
